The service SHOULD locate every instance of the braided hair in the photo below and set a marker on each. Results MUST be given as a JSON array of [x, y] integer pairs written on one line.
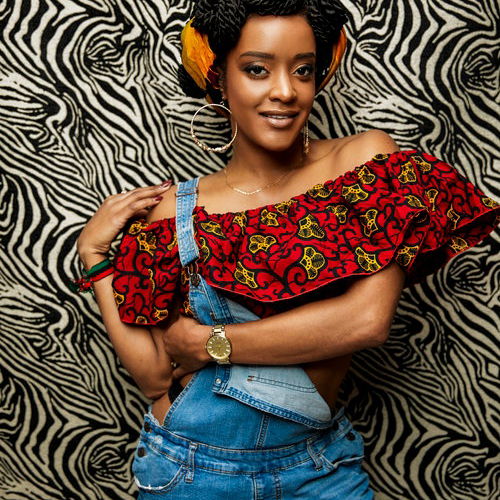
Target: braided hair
[[222, 20]]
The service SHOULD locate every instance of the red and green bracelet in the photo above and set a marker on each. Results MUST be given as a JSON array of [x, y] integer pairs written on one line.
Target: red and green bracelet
[[95, 273]]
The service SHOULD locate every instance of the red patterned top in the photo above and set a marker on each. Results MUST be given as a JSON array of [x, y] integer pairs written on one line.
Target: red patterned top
[[407, 206]]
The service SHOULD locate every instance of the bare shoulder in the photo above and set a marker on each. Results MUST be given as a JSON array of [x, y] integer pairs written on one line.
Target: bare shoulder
[[362, 147], [165, 209], [376, 141], [342, 154]]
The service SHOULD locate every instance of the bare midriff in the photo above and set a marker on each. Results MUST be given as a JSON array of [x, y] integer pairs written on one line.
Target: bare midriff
[[327, 375]]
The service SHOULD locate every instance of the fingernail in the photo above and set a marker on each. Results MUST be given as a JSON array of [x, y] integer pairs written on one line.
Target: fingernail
[[158, 198], [166, 183]]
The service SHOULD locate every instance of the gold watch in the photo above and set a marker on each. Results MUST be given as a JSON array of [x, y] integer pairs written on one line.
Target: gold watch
[[218, 345]]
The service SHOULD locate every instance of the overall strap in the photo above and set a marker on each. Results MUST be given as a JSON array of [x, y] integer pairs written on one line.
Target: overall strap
[[186, 196], [202, 296]]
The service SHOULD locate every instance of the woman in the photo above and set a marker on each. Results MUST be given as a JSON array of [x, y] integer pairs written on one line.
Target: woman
[[238, 312]]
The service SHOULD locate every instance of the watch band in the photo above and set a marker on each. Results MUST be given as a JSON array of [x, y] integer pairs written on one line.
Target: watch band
[[219, 330]]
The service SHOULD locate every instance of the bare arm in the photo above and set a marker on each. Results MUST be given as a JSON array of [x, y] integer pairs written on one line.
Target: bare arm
[[139, 348], [358, 319]]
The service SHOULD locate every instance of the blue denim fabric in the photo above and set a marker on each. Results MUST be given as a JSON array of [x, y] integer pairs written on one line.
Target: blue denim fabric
[[244, 431], [285, 391]]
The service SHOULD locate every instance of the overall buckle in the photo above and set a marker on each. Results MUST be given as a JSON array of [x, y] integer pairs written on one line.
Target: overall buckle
[[192, 270]]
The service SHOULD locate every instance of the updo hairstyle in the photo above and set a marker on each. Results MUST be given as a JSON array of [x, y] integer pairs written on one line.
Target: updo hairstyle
[[222, 20]]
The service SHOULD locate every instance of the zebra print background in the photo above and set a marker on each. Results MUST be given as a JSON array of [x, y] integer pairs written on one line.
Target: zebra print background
[[90, 106]]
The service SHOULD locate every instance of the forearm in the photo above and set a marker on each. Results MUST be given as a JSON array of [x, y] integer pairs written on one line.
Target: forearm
[[358, 319], [142, 356], [320, 330]]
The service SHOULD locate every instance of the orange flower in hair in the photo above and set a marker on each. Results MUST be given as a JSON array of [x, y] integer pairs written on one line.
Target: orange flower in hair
[[197, 56], [337, 54]]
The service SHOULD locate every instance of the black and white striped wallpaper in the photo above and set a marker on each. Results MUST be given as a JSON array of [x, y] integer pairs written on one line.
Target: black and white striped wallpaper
[[89, 105]]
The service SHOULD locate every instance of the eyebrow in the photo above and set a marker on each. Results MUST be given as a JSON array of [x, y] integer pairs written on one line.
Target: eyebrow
[[265, 55]]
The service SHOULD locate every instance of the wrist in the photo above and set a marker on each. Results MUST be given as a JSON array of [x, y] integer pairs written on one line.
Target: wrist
[[205, 331], [218, 346], [84, 251], [96, 267], [91, 258]]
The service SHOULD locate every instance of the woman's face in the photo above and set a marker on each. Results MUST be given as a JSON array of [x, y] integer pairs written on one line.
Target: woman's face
[[271, 72]]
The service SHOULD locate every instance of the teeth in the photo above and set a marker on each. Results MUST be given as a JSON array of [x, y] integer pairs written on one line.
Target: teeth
[[279, 117]]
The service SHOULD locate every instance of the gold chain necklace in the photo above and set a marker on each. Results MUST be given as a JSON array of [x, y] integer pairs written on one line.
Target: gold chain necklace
[[247, 193]]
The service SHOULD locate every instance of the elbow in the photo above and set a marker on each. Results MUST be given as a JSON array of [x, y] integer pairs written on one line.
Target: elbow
[[376, 331], [153, 395], [154, 392], [155, 389]]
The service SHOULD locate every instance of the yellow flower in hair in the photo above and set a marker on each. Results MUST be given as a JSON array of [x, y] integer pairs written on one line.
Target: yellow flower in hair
[[197, 56]]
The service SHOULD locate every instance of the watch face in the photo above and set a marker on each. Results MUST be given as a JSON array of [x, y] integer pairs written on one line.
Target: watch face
[[218, 347]]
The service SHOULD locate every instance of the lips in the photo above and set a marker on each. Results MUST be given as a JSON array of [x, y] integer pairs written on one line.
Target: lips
[[279, 119], [280, 114]]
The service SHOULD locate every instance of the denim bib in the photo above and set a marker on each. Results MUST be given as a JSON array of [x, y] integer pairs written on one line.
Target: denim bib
[[282, 390]]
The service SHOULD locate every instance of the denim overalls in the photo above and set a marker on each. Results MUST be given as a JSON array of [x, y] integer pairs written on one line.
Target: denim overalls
[[244, 431]]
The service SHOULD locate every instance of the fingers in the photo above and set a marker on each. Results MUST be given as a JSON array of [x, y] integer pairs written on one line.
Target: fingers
[[149, 192], [182, 370], [179, 372], [140, 200], [191, 367], [146, 191]]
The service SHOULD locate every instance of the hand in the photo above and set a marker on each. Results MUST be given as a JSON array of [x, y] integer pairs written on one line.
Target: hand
[[101, 230], [184, 342]]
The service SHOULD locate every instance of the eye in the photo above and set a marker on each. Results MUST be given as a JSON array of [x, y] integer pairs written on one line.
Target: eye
[[306, 70], [255, 70]]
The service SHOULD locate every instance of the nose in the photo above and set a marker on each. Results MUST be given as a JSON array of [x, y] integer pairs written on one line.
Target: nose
[[282, 87]]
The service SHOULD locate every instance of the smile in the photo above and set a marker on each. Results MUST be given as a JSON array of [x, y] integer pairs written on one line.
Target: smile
[[279, 121]]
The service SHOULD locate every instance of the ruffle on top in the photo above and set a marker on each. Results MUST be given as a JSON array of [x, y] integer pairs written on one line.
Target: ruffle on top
[[408, 206]]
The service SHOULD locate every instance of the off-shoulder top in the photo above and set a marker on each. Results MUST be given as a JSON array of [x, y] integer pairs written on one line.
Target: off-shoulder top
[[407, 206]]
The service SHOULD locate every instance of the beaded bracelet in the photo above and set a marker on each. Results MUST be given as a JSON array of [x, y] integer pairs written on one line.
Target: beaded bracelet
[[95, 273]]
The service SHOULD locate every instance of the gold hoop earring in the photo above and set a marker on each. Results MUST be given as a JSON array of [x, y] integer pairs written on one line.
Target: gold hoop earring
[[220, 149], [305, 132]]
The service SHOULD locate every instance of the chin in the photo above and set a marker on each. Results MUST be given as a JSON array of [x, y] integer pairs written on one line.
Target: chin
[[272, 144]]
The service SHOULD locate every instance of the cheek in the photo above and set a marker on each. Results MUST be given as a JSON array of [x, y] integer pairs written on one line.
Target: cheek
[[307, 94], [244, 103], [247, 94]]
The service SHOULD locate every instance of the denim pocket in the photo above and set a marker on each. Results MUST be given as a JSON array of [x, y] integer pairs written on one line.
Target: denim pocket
[[292, 377], [347, 449], [285, 391], [154, 472]]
